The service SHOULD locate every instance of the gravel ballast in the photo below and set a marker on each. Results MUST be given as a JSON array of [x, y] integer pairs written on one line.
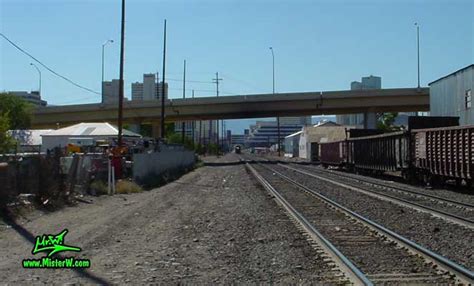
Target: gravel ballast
[[380, 259], [450, 240]]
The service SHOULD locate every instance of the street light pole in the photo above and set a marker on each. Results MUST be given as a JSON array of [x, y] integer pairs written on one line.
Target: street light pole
[[103, 48], [39, 72], [278, 117], [183, 124], [418, 50]]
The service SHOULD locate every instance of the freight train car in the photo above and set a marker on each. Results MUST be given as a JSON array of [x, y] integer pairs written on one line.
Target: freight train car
[[437, 152], [441, 154], [333, 153], [379, 153]]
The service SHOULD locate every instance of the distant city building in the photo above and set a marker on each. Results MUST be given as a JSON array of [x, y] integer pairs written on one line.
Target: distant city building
[[149, 89], [204, 130], [451, 95], [33, 97], [301, 120], [137, 91], [265, 133], [110, 91], [359, 120]]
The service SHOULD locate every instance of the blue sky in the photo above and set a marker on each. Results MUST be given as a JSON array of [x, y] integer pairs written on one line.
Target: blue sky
[[319, 45]]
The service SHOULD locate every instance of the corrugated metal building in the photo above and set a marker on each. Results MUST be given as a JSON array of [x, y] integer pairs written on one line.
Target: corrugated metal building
[[451, 95]]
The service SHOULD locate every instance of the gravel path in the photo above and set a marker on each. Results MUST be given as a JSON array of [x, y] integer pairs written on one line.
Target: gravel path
[[212, 226], [449, 240]]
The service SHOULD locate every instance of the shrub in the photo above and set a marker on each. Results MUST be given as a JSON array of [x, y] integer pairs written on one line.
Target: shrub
[[98, 187], [126, 187]]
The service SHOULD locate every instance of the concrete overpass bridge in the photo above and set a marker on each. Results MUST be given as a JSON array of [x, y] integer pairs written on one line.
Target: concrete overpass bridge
[[241, 106]]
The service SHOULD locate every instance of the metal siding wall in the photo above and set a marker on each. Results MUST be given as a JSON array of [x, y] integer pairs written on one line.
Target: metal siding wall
[[447, 96]]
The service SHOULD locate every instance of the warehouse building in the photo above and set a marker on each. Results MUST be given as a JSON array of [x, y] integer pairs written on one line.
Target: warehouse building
[[451, 95], [311, 136], [292, 144], [85, 132]]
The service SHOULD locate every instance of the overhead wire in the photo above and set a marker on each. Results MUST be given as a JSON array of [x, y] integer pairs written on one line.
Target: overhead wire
[[48, 68]]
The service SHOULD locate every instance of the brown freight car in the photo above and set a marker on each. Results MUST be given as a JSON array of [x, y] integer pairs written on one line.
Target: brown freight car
[[380, 153], [442, 154], [333, 153]]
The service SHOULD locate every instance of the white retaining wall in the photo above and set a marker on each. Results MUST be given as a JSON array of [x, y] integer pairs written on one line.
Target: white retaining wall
[[158, 162]]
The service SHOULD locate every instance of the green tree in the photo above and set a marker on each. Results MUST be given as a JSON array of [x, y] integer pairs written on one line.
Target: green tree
[[176, 138], [17, 111], [6, 141], [386, 122]]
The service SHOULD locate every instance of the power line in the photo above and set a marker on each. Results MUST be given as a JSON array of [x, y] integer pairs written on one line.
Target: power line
[[46, 67], [196, 81]]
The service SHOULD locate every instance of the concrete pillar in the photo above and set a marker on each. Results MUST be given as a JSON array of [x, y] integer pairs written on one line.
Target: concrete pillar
[[156, 129], [134, 127], [370, 120]]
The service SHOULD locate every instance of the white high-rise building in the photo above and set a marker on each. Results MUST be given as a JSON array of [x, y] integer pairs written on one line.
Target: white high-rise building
[[358, 120], [110, 91], [149, 89], [137, 91], [149, 86]]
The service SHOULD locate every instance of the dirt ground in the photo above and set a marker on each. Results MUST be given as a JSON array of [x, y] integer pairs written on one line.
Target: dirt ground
[[213, 225]]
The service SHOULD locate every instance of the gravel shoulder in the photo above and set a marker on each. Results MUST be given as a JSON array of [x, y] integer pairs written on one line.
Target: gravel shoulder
[[213, 225]]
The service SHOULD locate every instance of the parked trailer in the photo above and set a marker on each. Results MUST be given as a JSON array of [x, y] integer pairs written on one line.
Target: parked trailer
[[441, 154]]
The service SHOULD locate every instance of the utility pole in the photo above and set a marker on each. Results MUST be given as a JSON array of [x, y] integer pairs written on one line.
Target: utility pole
[[183, 124], [216, 81], [418, 50], [163, 88], [278, 117], [193, 126], [122, 50]]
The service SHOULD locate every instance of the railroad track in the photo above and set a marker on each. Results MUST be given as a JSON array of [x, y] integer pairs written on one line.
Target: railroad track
[[461, 215], [354, 235], [385, 186]]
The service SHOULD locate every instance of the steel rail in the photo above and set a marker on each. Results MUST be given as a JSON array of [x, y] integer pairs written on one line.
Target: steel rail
[[352, 272], [399, 189], [466, 275], [399, 201]]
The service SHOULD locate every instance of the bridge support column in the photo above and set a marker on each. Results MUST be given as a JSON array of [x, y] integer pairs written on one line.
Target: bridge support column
[[370, 120], [156, 129], [135, 127]]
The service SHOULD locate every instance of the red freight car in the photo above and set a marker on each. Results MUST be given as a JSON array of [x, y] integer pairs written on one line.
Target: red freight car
[[333, 153], [441, 154]]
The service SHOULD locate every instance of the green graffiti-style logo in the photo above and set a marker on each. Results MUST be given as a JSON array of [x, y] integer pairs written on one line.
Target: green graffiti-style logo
[[53, 244]]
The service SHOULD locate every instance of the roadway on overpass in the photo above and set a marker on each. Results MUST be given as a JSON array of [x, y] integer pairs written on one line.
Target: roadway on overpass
[[241, 106]]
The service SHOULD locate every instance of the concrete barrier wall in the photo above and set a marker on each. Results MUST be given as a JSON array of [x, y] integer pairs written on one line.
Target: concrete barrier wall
[[154, 164]]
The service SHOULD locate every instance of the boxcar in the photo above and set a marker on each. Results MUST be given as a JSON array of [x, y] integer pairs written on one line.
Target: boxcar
[[333, 153], [444, 153], [385, 152]]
